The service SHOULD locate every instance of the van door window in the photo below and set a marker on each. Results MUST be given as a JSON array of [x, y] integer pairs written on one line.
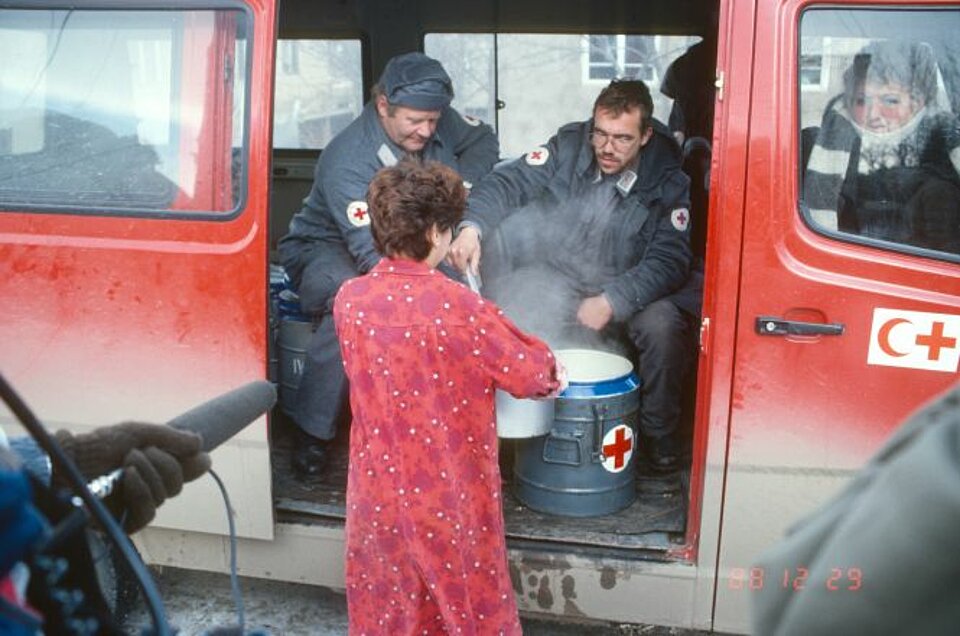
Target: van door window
[[122, 111], [528, 85], [318, 92], [613, 56], [880, 134]]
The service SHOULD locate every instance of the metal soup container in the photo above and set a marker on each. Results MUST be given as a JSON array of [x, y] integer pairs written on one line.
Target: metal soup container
[[584, 466]]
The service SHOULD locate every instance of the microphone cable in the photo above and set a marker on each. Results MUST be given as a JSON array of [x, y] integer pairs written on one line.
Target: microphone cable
[[235, 590], [234, 578]]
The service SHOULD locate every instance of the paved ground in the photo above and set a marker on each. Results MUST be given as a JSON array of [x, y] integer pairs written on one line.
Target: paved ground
[[199, 602]]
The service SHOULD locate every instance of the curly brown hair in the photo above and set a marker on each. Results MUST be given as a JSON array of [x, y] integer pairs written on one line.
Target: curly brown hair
[[407, 199]]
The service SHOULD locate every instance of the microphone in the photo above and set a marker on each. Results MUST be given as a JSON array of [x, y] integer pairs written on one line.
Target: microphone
[[221, 418], [215, 420]]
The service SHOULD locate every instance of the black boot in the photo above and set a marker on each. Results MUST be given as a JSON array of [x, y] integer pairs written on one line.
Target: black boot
[[660, 456], [309, 456], [658, 468]]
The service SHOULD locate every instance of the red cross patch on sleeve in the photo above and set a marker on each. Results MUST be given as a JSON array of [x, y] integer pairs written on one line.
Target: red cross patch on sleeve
[[357, 213], [537, 156], [680, 218]]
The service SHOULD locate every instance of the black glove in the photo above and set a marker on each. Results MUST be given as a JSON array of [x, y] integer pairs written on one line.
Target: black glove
[[152, 475], [156, 461]]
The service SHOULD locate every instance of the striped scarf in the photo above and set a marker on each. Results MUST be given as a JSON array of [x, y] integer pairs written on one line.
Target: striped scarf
[[931, 132]]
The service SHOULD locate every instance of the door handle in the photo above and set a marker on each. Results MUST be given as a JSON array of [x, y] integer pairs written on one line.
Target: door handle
[[772, 326]]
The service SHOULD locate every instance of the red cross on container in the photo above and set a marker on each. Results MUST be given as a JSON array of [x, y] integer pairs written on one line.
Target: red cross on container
[[619, 449]]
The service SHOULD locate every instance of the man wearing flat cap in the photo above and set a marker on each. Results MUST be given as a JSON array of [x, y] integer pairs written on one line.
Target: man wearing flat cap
[[329, 239]]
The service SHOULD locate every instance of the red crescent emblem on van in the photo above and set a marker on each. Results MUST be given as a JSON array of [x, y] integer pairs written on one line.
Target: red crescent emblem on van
[[915, 339], [883, 337]]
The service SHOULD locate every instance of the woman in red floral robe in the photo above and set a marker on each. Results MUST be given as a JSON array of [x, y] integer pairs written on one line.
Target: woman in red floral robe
[[426, 552]]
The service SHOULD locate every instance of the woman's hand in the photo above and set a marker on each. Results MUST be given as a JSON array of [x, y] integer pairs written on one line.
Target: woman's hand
[[560, 375]]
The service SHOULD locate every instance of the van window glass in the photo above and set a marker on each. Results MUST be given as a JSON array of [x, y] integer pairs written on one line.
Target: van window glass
[[880, 134], [612, 56], [122, 111], [318, 91], [542, 81]]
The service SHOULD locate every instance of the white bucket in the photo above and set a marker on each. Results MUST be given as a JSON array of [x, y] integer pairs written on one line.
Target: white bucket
[[521, 418]]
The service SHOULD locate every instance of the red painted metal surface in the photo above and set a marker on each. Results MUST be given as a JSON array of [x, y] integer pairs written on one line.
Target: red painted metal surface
[[109, 317], [814, 401], [729, 164], [805, 412]]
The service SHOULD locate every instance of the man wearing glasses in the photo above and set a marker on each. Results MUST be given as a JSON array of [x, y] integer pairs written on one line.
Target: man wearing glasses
[[596, 241]]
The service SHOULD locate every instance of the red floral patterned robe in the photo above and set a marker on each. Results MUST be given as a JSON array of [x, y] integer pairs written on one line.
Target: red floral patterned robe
[[426, 552]]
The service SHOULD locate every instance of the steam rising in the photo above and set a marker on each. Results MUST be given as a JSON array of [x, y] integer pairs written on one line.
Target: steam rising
[[548, 259]]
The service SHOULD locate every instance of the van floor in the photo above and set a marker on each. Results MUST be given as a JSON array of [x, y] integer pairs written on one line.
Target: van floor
[[654, 522]]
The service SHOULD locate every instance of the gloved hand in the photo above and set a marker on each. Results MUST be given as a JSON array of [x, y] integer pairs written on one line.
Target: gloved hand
[[156, 461], [152, 475]]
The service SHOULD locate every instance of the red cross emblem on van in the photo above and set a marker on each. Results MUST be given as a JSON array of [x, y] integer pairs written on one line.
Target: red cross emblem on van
[[915, 339]]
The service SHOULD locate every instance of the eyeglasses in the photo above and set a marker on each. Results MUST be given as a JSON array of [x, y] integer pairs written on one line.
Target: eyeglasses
[[599, 139]]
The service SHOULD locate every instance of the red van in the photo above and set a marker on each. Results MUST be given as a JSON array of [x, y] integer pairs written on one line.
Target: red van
[[152, 153]]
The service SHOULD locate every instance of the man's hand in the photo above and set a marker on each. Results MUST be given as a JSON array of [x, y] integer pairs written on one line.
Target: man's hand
[[595, 312], [156, 460], [465, 250]]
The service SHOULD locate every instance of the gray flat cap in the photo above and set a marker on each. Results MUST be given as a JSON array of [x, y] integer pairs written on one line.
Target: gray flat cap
[[416, 81]]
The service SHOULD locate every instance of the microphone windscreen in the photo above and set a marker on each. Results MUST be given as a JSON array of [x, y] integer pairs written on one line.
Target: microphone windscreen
[[221, 418]]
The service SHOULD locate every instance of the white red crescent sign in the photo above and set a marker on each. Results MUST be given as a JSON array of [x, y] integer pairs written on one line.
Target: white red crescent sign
[[473, 121], [538, 156], [915, 340], [357, 213], [617, 448], [680, 218]]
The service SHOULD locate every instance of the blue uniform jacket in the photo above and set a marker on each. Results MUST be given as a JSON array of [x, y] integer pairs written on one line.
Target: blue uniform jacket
[[647, 245], [345, 169]]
